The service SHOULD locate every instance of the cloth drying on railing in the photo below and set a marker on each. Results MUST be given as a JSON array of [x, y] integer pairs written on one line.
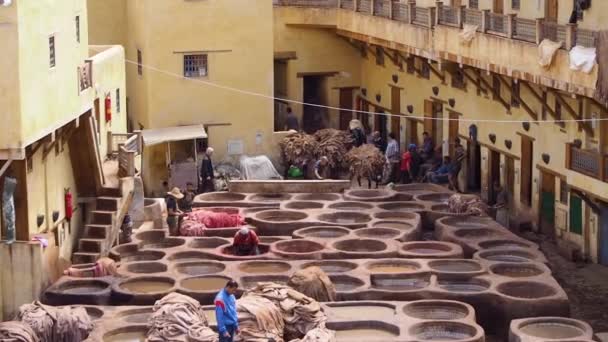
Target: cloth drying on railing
[[64, 324], [195, 223], [546, 51], [15, 331], [582, 59], [468, 34]]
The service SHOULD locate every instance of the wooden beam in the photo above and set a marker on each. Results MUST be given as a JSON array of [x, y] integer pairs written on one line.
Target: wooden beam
[[285, 55], [317, 73], [393, 58], [577, 116], [529, 110], [404, 59], [496, 95], [539, 98], [437, 73], [474, 81], [5, 167]]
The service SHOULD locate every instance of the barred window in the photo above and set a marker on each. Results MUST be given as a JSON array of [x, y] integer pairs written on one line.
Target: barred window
[[425, 70], [515, 4], [411, 67], [563, 192], [379, 56], [458, 79], [195, 66], [118, 100], [515, 90], [140, 61], [474, 4], [52, 60], [78, 29]]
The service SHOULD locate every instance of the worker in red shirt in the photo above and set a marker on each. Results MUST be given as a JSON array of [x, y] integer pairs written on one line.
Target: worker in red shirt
[[246, 242]]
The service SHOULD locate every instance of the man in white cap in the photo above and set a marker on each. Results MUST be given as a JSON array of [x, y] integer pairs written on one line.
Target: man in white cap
[[246, 242], [207, 175], [173, 212]]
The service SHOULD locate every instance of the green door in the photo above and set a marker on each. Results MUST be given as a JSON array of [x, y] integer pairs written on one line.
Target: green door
[[548, 208], [576, 215]]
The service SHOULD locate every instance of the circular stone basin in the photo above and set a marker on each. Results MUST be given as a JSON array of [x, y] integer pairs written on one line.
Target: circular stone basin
[[345, 283], [467, 221], [143, 256], [364, 331], [378, 233], [399, 282], [476, 233], [127, 334], [345, 217], [526, 290], [188, 256], [264, 267], [463, 285], [303, 205], [360, 245], [82, 287], [137, 316], [438, 197], [361, 311], [321, 232], [298, 246], [350, 206], [417, 188], [280, 215], [406, 207], [393, 266], [253, 281], [204, 283], [516, 270], [162, 244], [443, 331], [455, 266], [318, 197], [93, 312], [507, 255], [553, 328], [270, 197], [396, 215], [332, 266], [369, 195], [207, 243], [440, 208], [436, 310], [151, 235], [229, 250], [426, 248], [147, 285], [200, 267], [271, 239], [220, 197], [147, 267], [249, 211], [401, 226], [491, 244]]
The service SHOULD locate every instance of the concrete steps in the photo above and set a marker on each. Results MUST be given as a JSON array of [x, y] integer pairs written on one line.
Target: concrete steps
[[84, 257], [98, 231], [90, 245]]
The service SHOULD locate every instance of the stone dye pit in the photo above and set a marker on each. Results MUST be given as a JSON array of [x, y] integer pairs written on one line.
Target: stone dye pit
[[367, 241]]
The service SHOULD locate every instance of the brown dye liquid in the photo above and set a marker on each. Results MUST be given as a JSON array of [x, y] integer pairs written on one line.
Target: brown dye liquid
[[551, 330], [362, 312], [207, 284], [146, 286], [82, 290], [393, 268], [345, 220], [137, 336], [140, 317], [424, 251], [265, 268], [360, 334], [395, 225]]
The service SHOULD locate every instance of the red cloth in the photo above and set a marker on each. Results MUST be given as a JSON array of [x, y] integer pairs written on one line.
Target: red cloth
[[406, 161], [197, 221], [249, 239]]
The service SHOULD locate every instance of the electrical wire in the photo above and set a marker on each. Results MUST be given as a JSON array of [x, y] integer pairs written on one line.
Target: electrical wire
[[251, 93]]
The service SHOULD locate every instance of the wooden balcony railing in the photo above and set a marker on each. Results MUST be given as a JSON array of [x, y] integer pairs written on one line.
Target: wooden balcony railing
[[587, 162], [508, 26], [126, 146]]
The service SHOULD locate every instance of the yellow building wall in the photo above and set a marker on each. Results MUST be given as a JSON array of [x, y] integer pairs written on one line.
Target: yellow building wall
[[108, 21], [317, 50]]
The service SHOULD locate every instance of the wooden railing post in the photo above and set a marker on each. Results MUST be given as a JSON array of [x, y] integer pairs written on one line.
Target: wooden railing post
[[570, 36], [539, 30], [460, 14], [485, 14], [568, 156], [412, 11], [439, 9], [510, 25], [390, 9]]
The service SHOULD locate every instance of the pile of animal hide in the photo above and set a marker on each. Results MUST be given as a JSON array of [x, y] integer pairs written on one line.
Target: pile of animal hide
[[196, 222], [298, 148], [314, 283], [66, 324], [278, 312], [467, 205], [15, 331], [365, 161], [179, 318], [333, 144]]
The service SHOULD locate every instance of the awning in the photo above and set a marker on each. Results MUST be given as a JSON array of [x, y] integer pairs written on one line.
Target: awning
[[167, 134]]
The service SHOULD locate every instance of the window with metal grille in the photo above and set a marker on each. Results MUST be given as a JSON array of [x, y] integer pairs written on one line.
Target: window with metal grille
[[474, 4], [379, 56], [458, 79], [515, 4], [140, 67], [425, 70], [52, 60], [496, 87], [118, 100], [411, 66], [563, 192], [558, 113], [515, 94], [77, 28], [195, 66]]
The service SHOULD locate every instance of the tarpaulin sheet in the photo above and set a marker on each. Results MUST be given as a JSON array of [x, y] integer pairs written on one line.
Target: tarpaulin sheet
[[168, 134]]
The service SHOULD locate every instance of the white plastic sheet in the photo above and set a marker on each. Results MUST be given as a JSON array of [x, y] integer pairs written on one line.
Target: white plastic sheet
[[258, 168], [583, 59], [546, 51], [468, 34]]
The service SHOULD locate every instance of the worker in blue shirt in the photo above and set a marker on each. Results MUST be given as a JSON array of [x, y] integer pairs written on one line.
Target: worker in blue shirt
[[225, 312]]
